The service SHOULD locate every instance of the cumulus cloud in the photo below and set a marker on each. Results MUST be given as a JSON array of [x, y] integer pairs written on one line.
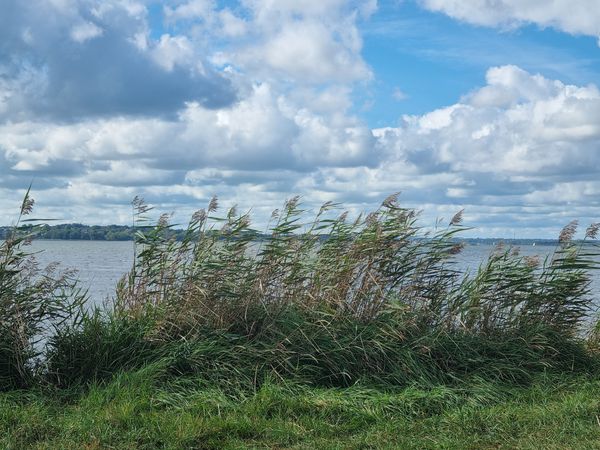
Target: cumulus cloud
[[264, 130], [171, 51], [580, 17], [518, 123], [521, 140], [67, 60], [96, 108], [520, 146], [193, 9], [255, 103], [306, 42], [83, 32]]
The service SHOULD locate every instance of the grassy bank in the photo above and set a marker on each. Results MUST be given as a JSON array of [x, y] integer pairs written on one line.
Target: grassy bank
[[366, 324], [135, 410]]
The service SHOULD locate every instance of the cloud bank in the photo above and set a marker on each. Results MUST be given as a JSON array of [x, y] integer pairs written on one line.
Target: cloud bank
[[67, 60], [255, 103], [575, 17]]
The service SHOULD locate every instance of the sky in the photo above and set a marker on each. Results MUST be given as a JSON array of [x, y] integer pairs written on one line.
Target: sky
[[491, 106]]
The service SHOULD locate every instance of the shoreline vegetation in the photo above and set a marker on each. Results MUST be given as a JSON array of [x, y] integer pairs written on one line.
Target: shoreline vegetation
[[80, 232], [368, 338]]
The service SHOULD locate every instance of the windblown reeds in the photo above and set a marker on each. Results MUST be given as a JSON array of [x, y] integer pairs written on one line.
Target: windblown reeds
[[327, 300], [33, 301], [223, 269], [331, 300]]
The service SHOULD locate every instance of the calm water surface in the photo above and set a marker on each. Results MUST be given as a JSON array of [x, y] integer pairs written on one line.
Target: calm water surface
[[100, 264]]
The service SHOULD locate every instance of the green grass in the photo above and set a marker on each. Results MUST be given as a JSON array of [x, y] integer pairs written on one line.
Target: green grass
[[141, 410], [331, 334]]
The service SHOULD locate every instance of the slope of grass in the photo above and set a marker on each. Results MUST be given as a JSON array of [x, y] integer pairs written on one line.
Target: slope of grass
[[135, 410]]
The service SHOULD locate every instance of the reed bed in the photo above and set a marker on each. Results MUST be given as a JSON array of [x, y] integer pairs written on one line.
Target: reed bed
[[319, 299], [34, 302]]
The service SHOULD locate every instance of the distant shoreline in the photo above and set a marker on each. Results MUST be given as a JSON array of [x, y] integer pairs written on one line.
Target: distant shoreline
[[79, 232]]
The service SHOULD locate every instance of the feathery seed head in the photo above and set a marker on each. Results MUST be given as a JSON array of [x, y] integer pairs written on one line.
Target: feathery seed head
[[532, 261], [27, 205], [163, 220], [592, 231], [567, 233], [325, 206], [457, 218], [140, 205], [371, 218], [232, 212], [213, 205], [391, 201], [199, 216], [245, 221], [292, 203], [456, 249]]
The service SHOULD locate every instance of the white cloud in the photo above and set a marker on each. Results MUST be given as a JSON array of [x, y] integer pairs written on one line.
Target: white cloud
[[232, 25], [518, 148], [85, 31], [517, 124], [308, 52], [268, 10], [518, 143], [194, 9], [575, 17], [399, 94], [68, 60], [307, 42], [170, 51], [520, 140], [264, 130]]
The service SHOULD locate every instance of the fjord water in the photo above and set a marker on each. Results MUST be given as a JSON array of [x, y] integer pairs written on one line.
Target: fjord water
[[100, 264]]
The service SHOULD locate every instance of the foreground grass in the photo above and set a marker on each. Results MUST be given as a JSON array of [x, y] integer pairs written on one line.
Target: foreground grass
[[139, 410]]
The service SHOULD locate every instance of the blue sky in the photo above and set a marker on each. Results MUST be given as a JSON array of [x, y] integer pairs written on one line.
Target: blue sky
[[435, 59], [490, 106]]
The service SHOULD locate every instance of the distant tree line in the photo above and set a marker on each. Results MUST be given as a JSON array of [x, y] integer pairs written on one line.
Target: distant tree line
[[76, 231]]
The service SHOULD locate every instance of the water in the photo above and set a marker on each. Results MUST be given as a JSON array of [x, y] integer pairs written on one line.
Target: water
[[100, 264]]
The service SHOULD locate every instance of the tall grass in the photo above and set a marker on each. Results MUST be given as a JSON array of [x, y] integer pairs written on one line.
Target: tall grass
[[332, 301], [33, 302], [318, 298]]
